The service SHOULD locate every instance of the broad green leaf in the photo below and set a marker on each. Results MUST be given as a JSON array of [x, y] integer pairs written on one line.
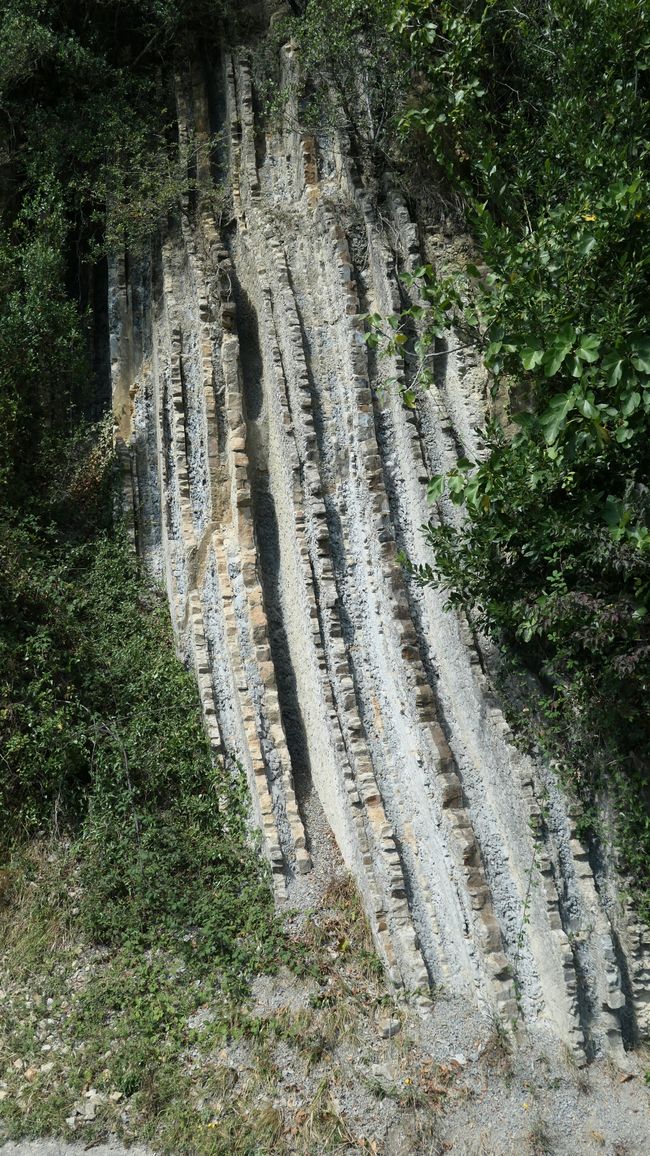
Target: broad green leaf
[[588, 347], [613, 511], [435, 488], [553, 359], [587, 409], [632, 402], [567, 335], [456, 483], [641, 354], [640, 535], [612, 366], [471, 492], [492, 350], [574, 365], [561, 346], [585, 245], [525, 420], [555, 416], [531, 356]]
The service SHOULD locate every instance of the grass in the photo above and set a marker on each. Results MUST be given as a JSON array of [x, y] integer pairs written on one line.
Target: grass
[[101, 1042], [539, 1139]]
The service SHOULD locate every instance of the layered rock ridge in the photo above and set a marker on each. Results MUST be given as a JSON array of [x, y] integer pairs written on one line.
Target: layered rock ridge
[[270, 482]]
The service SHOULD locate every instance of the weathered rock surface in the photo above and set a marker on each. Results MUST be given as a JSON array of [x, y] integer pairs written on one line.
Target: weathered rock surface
[[270, 482]]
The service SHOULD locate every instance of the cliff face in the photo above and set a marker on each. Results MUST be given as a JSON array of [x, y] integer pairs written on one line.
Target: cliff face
[[271, 483]]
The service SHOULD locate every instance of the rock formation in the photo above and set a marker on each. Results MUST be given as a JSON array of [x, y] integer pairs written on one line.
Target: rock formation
[[270, 482]]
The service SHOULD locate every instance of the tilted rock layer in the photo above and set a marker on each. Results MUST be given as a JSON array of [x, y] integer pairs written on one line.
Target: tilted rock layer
[[271, 483]]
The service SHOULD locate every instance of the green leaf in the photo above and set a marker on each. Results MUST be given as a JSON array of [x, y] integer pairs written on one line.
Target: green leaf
[[613, 511], [587, 409], [561, 347], [632, 402], [588, 347], [531, 356], [525, 420], [435, 488], [612, 366], [552, 360], [567, 335], [641, 354], [472, 492], [585, 245], [574, 366], [555, 416], [456, 482], [493, 349]]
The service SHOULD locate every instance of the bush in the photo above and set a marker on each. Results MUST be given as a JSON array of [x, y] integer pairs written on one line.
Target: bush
[[103, 743], [539, 115]]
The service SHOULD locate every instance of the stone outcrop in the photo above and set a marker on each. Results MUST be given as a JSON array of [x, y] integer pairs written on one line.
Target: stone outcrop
[[270, 482]]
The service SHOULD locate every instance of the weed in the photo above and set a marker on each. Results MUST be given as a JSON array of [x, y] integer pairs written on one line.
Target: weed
[[539, 1140], [497, 1050]]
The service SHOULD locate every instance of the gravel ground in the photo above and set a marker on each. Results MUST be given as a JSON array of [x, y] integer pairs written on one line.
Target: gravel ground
[[58, 1148]]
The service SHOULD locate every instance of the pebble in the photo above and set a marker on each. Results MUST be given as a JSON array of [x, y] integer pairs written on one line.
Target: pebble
[[389, 1028]]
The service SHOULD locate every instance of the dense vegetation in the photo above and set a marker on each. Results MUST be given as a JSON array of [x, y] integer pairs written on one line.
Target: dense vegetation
[[537, 115], [125, 854], [86, 162], [103, 743], [138, 897]]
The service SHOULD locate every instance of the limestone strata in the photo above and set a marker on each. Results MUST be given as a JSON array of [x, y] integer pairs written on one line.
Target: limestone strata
[[271, 482]]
